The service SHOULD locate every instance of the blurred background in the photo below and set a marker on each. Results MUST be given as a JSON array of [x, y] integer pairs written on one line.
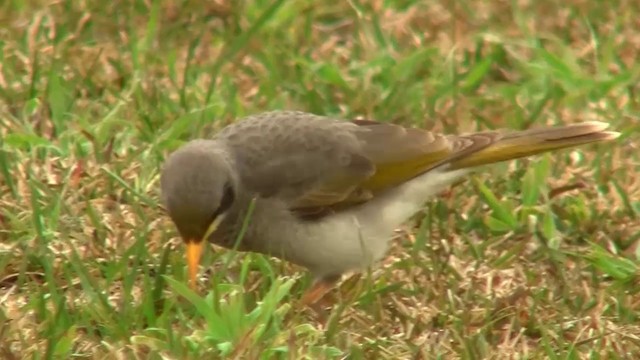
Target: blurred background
[[538, 258]]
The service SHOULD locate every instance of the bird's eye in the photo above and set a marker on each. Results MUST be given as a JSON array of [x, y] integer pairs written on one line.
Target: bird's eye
[[228, 196], [227, 199]]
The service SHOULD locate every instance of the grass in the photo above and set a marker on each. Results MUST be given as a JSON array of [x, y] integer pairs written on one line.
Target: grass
[[538, 258]]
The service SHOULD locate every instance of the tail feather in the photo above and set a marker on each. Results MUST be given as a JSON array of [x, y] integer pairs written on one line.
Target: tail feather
[[520, 144]]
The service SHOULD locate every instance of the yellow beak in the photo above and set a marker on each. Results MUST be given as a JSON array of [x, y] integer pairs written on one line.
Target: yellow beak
[[194, 251]]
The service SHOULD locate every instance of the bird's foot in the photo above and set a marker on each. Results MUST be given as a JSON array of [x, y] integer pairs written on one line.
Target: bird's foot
[[317, 291], [315, 298]]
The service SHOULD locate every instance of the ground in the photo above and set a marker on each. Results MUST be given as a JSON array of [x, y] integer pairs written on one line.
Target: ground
[[537, 258]]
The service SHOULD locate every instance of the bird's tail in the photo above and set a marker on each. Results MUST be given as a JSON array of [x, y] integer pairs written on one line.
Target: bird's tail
[[520, 144]]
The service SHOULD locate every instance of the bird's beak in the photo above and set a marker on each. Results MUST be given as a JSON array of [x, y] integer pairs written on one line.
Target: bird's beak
[[194, 251]]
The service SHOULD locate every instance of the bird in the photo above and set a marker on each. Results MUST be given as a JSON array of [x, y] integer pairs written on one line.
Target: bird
[[326, 193]]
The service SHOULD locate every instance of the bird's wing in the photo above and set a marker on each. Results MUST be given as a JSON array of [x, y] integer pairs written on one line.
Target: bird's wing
[[304, 160], [400, 153], [317, 164]]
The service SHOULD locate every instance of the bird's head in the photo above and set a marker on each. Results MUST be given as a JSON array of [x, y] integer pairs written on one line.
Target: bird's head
[[198, 188]]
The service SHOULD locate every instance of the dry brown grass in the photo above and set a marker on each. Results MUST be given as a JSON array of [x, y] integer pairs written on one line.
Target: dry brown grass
[[93, 95]]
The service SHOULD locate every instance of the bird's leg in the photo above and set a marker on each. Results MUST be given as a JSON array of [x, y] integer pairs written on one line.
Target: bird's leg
[[319, 289]]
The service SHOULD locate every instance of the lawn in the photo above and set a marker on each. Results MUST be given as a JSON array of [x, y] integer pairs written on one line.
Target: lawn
[[536, 258]]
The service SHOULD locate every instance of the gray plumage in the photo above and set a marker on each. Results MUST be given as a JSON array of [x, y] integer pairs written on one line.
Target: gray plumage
[[328, 193]]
